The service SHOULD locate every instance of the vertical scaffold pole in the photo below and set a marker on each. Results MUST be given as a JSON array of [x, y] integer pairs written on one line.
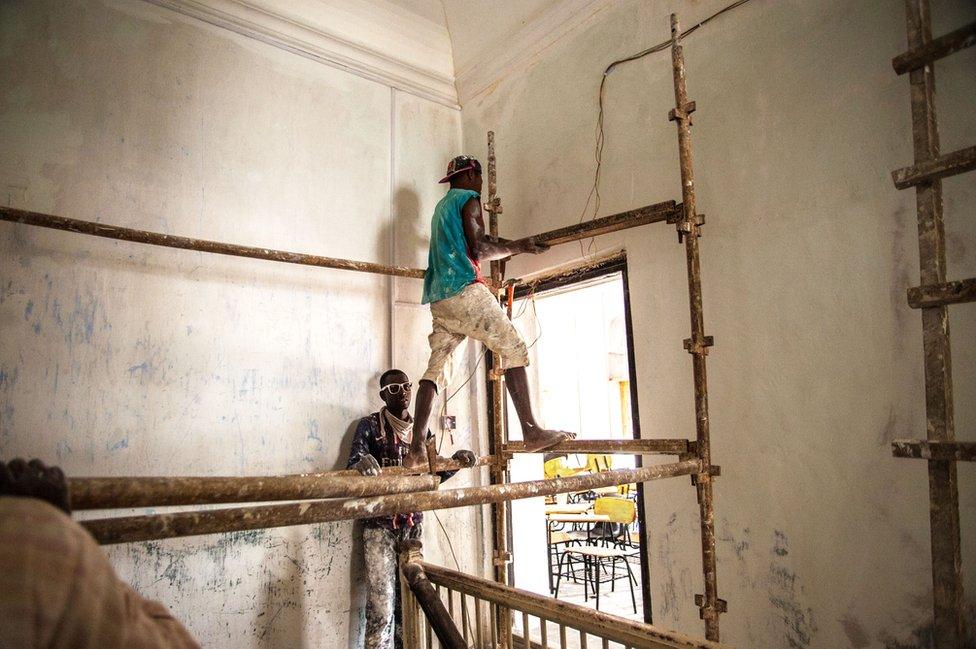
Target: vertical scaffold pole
[[498, 474], [689, 229]]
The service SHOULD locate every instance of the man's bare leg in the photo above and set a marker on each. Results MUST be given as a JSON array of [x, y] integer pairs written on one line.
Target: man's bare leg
[[536, 438], [416, 458]]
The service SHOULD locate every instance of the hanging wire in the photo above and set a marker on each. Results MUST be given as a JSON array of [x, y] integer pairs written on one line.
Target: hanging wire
[[601, 138]]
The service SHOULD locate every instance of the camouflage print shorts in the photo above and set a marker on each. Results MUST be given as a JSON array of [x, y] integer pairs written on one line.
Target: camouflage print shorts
[[474, 313], [384, 627]]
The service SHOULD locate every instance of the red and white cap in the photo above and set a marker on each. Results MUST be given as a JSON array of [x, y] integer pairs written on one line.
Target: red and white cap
[[460, 164]]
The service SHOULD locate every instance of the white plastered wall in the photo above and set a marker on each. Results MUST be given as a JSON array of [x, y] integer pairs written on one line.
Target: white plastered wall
[[121, 359], [807, 251]]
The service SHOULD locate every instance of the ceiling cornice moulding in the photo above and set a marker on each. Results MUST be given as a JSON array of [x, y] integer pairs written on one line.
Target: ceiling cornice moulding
[[248, 19], [537, 35]]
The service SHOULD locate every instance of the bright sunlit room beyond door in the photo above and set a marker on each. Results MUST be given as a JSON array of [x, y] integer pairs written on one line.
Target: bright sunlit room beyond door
[[587, 545]]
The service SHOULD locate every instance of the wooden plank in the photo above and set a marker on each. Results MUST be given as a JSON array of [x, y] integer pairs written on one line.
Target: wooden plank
[[129, 529], [925, 449], [610, 446], [580, 618], [924, 172], [948, 604], [655, 213], [935, 49], [201, 245], [932, 295]]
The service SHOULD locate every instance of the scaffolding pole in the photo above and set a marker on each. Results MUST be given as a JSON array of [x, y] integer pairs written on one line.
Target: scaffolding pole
[[200, 245], [151, 491], [666, 212], [689, 230], [611, 446], [130, 529], [115, 493], [501, 555]]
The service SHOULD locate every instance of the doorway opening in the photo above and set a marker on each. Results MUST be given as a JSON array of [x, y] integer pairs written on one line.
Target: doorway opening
[[587, 544]]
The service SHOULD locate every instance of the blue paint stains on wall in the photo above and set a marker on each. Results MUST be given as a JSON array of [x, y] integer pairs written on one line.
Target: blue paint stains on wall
[[785, 595], [313, 434], [143, 371], [63, 450], [8, 378], [117, 445]]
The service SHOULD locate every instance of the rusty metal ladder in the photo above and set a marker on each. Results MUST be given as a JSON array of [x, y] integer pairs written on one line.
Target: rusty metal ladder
[[933, 297]]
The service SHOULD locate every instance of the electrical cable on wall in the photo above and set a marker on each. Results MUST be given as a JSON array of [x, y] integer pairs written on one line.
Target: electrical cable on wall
[[594, 195]]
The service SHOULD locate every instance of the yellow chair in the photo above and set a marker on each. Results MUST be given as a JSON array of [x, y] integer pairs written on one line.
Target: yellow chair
[[598, 463], [556, 468], [626, 489], [620, 510]]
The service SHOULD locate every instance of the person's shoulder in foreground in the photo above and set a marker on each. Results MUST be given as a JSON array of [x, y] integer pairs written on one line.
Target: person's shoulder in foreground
[[59, 588]]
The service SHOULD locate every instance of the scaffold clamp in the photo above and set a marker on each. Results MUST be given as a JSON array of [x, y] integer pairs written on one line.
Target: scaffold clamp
[[712, 471], [721, 606], [682, 112], [501, 558], [687, 226], [494, 206], [698, 346]]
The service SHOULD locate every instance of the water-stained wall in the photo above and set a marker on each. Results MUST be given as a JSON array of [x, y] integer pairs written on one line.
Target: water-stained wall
[[121, 359], [823, 537]]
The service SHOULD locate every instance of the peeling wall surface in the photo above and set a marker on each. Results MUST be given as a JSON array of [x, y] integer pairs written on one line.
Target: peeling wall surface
[[806, 255], [121, 359]]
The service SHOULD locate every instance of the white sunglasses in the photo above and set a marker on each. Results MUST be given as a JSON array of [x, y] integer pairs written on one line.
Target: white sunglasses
[[397, 388]]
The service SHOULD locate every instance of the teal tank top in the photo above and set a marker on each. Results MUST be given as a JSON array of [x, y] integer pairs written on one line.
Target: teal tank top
[[449, 268]]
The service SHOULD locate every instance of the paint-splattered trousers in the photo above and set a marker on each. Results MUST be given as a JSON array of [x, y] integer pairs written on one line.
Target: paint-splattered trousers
[[474, 313], [384, 625]]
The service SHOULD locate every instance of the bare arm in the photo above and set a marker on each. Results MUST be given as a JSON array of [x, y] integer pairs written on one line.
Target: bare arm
[[481, 247]]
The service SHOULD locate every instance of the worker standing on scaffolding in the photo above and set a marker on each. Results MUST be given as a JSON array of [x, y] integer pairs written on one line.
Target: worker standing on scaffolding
[[463, 306], [382, 440]]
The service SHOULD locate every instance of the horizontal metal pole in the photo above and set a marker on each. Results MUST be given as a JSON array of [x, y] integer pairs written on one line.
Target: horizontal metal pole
[[603, 625], [571, 271], [144, 491], [935, 49], [930, 449], [113, 493], [949, 164], [618, 446], [163, 526], [201, 245], [631, 219], [957, 292]]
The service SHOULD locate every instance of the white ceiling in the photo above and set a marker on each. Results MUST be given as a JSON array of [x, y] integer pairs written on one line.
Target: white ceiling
[[478, 26]]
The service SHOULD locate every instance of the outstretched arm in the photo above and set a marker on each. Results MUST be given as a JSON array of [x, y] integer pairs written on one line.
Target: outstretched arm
[[481, 247]]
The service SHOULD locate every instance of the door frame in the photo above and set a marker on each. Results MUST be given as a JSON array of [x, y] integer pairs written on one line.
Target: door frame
[[584, 272]]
